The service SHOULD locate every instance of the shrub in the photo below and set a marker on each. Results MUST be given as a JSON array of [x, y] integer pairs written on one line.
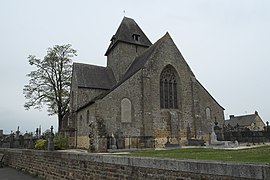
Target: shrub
[[40, 144], [60, 142]]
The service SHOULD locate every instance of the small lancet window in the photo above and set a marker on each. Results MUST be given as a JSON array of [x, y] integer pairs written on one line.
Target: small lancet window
[[136, 37], [126, 110], [208, 113]]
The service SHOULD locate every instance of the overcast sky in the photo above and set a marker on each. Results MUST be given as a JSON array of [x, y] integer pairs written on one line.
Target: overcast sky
[[225, 42]]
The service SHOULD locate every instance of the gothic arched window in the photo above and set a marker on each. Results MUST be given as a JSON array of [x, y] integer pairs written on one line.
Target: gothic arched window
[[168, 89]]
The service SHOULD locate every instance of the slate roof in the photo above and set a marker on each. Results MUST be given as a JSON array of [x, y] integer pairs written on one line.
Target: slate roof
[[91, 76], [245, 120], [125, 32]]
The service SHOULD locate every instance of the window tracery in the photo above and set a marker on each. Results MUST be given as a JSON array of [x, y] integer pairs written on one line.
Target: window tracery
[[168, 89]]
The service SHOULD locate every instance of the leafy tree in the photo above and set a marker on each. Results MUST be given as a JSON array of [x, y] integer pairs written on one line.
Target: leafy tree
[[50, 83]]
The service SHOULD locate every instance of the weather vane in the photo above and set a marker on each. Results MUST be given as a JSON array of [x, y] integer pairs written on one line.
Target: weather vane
[[124, 12]]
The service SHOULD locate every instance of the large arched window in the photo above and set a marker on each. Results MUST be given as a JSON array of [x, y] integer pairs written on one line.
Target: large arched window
[[168, 89]]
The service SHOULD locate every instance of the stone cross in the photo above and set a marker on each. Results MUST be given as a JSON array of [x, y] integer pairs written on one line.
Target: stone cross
[[50, 141], [113, 142]]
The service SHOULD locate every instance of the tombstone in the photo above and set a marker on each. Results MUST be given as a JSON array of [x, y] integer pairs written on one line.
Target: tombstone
[[188, 132], [194, 142], [17, 138], [37, 133], [113, 142], [213, 135], [91, 137], [21, 141], [31, 142], [1, 133], [120, 140], [50, 140], [102, 144], [168, 141], [11, 140]]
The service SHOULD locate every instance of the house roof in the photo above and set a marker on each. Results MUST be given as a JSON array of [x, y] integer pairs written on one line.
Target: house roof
[[245, 120], [91, 76], [125, 33]]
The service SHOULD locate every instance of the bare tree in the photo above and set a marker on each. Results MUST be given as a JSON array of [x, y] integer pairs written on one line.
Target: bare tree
[[49, 84]]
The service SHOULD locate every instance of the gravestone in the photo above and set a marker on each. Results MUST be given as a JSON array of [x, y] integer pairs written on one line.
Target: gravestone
[[37, 133], [113, 142], [17, 138], [11, 140], [31, 143], [120, 140], [91, 137], [50, 140]]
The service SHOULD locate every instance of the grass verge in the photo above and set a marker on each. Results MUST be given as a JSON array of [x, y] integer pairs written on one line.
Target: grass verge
[[256, 154]]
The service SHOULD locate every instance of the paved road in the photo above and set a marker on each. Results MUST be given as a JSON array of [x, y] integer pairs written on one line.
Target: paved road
[[8, 173]]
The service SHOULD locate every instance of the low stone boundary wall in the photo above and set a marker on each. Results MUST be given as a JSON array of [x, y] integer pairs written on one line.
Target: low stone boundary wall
[[72, 165]]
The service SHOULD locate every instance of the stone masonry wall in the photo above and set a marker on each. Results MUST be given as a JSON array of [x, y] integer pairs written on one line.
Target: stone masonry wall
[[167, 54], [121, 56], [109, 108], [216, 112], [193, 99], [64, 165]]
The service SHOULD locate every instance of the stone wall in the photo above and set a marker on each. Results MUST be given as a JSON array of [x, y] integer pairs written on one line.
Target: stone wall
[[63, 165], [121, 56], [206, 101]]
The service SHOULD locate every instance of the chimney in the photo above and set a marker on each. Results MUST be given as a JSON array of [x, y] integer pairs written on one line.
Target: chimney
[[256, 113], [231, 116]]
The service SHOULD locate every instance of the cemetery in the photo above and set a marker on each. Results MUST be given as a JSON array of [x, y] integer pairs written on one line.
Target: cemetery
[[18, 151], [217, 137]]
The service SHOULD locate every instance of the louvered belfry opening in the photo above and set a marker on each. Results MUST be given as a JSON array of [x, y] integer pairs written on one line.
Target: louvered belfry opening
[[168, 89]]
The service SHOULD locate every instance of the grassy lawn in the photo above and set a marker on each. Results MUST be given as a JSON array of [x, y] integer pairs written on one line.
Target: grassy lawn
[[257, 154]]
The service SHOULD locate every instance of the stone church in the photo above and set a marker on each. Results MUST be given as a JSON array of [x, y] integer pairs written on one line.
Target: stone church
[[145, 91]]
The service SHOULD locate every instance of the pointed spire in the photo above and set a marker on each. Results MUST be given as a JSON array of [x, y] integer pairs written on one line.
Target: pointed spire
[[129, 32]]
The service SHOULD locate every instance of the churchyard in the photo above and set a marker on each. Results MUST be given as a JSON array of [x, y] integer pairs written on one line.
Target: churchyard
[[256, 153], [218, 160]]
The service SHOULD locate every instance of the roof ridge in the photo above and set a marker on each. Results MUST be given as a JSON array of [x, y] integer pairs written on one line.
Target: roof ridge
[[85, 64], [244, 115]]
